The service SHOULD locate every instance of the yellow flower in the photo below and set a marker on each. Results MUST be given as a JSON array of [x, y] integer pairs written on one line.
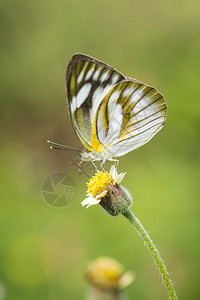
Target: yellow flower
[[100, 184], [108, 273]]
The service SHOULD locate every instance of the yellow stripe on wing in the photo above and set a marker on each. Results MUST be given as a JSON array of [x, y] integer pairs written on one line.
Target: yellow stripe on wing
[[96, 144], [72, 83]]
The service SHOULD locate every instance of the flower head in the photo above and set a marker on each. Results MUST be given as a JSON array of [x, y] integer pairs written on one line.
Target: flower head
[[99, 183], [104, 188], [108, 274]]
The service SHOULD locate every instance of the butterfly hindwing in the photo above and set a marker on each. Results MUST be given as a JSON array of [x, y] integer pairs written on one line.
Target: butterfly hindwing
[[130, 114], [110, 113], [87, 82]]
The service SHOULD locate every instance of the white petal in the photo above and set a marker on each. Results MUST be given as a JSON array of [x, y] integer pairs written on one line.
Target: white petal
[[120, 177], [127, 279], [86, 201], [90, 201], [116, 177], [102, 194], [113, 172]]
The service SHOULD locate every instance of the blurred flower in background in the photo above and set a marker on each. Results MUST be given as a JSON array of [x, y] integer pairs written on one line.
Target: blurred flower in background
[[108, 279]]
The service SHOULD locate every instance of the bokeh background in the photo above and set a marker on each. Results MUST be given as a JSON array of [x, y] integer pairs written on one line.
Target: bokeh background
[[44, 250]]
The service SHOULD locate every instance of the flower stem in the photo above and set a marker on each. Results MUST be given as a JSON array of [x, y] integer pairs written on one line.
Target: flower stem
[[154, 252]]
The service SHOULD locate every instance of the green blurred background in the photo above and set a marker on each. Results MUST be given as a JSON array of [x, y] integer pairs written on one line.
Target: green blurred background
[[44, 251]]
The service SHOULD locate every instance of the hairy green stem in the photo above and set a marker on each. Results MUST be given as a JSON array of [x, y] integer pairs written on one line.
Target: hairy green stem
[[154, 252]]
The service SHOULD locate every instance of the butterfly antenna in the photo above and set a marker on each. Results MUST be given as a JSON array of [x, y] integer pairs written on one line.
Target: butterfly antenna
[[62, 147]]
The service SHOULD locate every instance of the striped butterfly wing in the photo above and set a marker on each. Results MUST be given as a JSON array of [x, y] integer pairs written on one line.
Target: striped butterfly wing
[[129, 116], [87, 82]]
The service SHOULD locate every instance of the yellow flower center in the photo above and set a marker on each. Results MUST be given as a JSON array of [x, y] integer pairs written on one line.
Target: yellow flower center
[[99, 183]]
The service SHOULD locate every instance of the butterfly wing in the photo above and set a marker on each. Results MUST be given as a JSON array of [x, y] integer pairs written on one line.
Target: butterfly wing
[[87, 82], [129, 116]]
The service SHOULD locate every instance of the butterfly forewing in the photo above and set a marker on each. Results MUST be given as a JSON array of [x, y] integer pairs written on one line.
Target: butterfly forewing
[[111, 113], [130, 114], [87, 82]]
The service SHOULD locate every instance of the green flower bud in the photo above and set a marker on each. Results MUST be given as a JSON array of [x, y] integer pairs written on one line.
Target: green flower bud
[[117, 200]]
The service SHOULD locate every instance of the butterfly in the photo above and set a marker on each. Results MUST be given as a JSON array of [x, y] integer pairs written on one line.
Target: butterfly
[[111, 114]]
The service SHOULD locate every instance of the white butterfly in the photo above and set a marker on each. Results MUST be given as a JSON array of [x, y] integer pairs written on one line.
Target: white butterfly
[[111, 114]]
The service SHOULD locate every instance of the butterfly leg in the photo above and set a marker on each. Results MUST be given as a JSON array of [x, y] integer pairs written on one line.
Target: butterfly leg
[[94, 166], [116, 163], [103, 162], [81, 170]]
